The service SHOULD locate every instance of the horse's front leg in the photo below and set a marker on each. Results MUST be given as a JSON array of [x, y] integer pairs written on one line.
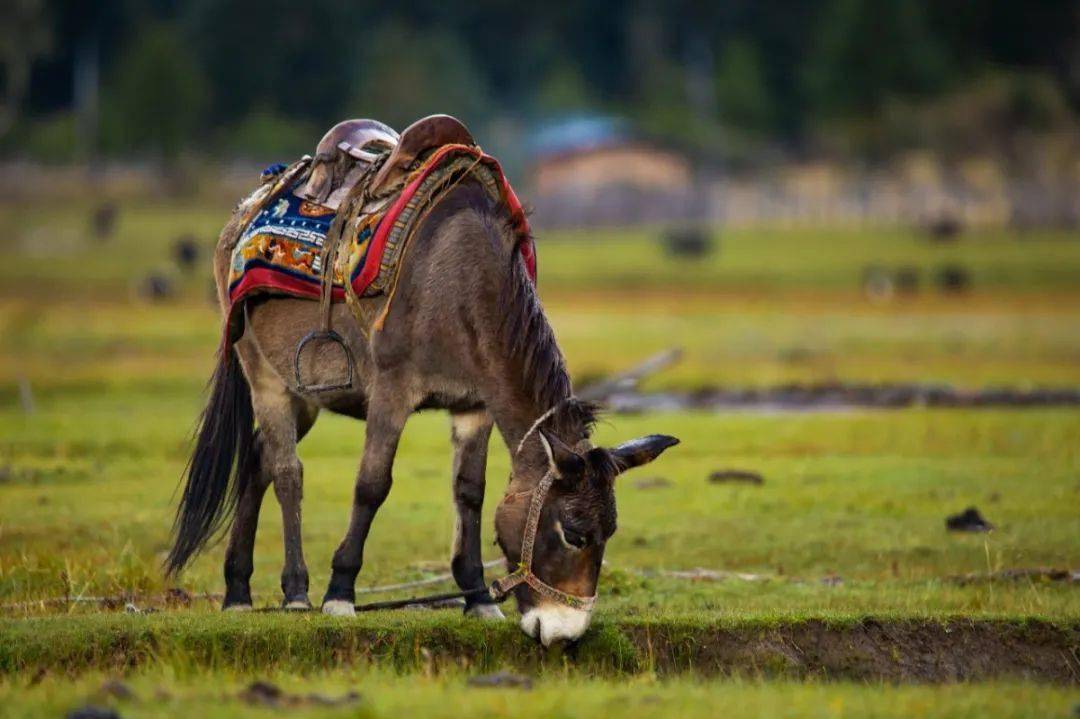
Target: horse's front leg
[[469, 432], [385, 420]]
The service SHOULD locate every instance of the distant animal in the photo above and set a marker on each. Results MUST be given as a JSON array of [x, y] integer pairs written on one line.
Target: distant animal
[[186, 251], [465, 333], [945, 227], [688, 242], [103, 220], [156, 286], [953, 279]]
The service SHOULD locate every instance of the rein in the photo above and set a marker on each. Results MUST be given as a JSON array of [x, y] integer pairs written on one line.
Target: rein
[[523, 574]]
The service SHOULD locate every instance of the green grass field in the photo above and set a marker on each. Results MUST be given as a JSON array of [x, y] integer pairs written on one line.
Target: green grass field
[[385, 694], [849, 524]]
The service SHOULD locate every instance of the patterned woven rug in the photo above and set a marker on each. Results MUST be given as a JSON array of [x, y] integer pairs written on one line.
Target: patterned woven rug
[[279, 252]]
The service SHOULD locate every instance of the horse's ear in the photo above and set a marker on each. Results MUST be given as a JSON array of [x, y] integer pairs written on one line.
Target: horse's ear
[[565, 462], [641, 451]]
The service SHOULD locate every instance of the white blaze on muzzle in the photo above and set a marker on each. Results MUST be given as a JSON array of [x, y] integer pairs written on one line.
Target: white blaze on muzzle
[[552, 623]]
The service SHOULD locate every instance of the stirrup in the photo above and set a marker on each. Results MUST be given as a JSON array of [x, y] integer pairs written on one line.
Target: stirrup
[[334, 337]]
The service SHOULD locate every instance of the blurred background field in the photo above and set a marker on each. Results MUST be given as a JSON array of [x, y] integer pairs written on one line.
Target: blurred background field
[[768, 307], [804, 194]]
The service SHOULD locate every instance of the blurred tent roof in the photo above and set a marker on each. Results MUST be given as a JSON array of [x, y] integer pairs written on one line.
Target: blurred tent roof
[[578, 133]]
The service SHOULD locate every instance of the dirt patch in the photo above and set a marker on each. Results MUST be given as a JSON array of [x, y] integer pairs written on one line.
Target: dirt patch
[[893, 650], [743, 476]]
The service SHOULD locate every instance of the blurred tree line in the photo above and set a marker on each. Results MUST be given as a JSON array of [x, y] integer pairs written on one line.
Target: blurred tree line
[[733, 79]]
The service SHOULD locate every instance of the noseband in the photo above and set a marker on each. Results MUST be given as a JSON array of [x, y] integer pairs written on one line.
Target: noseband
[[524, 574]]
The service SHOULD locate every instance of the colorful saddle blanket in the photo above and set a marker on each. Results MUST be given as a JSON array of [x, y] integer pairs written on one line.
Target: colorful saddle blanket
[[280, 249]]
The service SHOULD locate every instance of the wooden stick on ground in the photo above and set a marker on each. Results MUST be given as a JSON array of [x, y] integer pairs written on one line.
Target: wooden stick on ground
[[631, 378]]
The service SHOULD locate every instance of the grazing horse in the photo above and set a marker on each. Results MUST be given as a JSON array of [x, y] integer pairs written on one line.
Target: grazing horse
[[465, 333]]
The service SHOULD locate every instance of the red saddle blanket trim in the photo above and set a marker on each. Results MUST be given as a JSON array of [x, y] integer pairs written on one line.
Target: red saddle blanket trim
[[517, 216], [273, 280]]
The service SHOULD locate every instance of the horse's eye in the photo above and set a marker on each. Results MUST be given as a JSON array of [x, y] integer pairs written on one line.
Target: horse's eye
[[572, 538]]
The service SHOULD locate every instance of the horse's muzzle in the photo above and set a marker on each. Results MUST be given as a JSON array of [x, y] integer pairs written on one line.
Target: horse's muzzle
[[551, 623]]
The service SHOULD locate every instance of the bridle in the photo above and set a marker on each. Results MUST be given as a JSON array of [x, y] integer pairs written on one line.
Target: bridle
[[524, 574]]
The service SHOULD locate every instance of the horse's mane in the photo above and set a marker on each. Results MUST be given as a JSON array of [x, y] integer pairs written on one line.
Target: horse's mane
[[527, 334]]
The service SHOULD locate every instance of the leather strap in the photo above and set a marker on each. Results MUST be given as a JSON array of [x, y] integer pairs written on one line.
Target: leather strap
[[500, 588]]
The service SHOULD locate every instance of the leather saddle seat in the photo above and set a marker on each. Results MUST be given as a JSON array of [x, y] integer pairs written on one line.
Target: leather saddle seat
[[348, 149]]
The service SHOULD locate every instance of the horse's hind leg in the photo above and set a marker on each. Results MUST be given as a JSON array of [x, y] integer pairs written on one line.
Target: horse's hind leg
[[469, 432], [283, 419], [240, 553]]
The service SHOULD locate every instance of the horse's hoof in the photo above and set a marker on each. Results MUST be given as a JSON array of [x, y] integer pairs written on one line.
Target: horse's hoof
[[236, 608], [489, 612], [297, 605], [338, 608]]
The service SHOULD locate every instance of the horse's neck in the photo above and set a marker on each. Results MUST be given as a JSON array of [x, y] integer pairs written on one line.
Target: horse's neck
[[525, 375], [526, 397]]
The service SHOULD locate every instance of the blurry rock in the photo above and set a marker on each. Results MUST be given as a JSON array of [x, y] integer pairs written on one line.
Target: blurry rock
[[262, 693], [93, 712], [156, 286], [907, 280], [502, 680], [265, 694], [953, 279], [117, 689], [946, 227], [688, 242], [722, 476], [832, 579], [103, 221], [970, 520], [877, 284], [186, 252]]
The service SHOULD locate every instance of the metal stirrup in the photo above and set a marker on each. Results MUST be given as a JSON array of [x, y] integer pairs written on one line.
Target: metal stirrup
[[326, 332]]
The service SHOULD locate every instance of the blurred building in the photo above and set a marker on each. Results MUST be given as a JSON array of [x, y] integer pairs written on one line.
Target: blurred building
[[597, 170]]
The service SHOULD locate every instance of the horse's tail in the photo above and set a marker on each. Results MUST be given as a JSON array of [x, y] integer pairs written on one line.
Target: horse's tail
[[225, 457]]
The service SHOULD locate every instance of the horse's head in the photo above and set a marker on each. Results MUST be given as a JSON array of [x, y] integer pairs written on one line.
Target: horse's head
[[574, 519]]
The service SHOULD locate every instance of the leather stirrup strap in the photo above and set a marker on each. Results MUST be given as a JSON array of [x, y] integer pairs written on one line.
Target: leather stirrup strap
[[335, 236], [329, 260]]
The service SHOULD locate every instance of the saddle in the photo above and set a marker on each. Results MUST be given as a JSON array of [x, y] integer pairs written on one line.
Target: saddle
[[360, 197], [344, 159], [346, 153]]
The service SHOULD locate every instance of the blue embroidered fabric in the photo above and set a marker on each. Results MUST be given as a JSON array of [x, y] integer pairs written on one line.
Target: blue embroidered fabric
[[273, 170]]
